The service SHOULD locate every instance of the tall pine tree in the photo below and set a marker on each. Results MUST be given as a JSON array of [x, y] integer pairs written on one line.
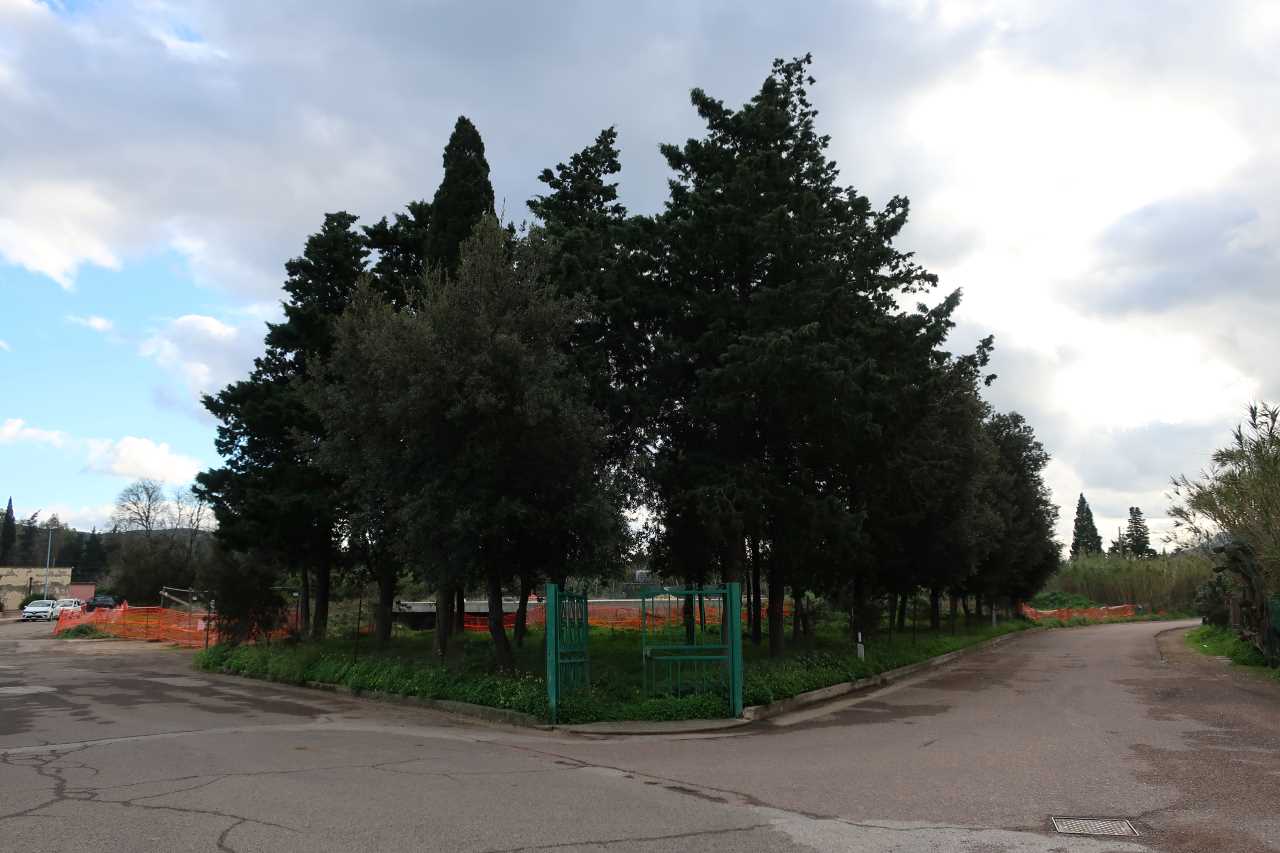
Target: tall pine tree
[[1085, 538], [464, 197], [8, 535], [1137, 537]]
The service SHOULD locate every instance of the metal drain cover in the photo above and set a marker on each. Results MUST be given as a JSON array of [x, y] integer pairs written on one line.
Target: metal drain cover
[[1094, 826]]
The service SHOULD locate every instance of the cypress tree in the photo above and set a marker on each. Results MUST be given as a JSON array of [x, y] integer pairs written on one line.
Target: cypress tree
[[464, 197], [8, 535], [1085, 538], [1136, 535]]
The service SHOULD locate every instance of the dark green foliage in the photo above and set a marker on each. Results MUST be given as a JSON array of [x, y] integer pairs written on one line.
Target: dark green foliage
[[485, 460], [93, 556], [8, 536], [595, 254], [1212, 597], [242, 587], [1085, 538], [464, 197], [29, 552], [270, 493], [1027, 554], [84, 632], [401, 246], [1137, 540], [1058, 600]]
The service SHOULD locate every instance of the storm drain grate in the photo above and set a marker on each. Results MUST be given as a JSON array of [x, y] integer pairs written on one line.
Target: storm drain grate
[[1094, 826]]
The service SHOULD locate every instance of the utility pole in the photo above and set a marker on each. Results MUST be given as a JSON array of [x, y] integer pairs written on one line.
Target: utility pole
[[48, 554]]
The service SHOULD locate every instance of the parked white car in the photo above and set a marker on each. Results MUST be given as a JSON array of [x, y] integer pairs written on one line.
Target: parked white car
[[42, 609], [65, 604]]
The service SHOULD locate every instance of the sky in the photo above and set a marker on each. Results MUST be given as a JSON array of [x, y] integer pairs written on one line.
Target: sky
[[1102, 181]]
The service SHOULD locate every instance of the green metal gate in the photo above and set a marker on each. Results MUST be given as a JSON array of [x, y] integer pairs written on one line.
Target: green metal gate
[[691, 642], [568, 666]]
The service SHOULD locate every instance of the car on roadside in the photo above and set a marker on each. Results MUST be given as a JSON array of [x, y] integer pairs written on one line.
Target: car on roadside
[[65, 604], [39, 610], [105, 602]]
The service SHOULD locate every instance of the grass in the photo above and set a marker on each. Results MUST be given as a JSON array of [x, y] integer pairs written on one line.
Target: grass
[[84, 632], [406, 667], [1222, 642]]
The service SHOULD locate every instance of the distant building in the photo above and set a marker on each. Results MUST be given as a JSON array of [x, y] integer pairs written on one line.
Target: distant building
[[17, 583]]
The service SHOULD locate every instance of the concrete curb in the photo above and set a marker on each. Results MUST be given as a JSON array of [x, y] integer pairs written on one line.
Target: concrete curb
[[484, 713], [823, 694], [656, 727]]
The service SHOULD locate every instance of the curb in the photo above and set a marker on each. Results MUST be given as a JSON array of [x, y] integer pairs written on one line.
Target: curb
[[502, 716], [823, 694]]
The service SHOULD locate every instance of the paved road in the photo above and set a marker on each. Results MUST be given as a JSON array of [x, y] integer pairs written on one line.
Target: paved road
[[121, 746]]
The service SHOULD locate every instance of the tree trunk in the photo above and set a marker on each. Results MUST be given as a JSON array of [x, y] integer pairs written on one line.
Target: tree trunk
[[964, 606], [304, 604], [320, 619], [690, 628], [859, 608], [702, 611], [935, 609], [777, 597], [460, 610], [757, 630], [501, 647], [902, 612], [386, 598], [522, 611], [444, 621], [952, 615]]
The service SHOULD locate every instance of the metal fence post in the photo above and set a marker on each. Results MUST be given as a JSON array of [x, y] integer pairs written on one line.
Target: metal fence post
[[551, 612], [731, 624]]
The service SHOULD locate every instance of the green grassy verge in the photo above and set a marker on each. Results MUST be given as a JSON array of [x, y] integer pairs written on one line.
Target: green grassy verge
[[406, 667], [1222, 642], [83, 632]]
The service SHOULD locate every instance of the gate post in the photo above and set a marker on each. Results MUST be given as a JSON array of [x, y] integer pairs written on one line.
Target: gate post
[[551, 629], [732, 626]]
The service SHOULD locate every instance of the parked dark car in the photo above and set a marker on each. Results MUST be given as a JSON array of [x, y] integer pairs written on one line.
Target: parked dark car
[[106, 602]]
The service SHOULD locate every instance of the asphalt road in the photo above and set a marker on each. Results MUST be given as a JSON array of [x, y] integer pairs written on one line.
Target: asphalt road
[[120, 746]]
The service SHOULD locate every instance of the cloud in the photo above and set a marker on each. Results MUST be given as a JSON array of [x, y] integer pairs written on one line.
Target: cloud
[[137, 458], [203, 352], [4, 346], [15, 430], [130, 456], [98, 324], [1108, 198]]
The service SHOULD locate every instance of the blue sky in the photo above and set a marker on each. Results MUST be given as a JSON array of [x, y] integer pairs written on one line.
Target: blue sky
[[88, 366], [1108, 199]]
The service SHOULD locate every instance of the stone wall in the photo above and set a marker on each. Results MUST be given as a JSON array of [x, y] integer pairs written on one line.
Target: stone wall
[[15, 583]]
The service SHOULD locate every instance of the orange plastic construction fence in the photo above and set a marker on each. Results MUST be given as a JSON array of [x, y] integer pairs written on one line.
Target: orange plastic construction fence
[[162, 624], [1119, 611]]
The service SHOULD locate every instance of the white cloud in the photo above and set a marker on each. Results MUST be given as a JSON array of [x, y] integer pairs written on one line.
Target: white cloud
[[83, 518], [135, 458], [14, 430], [55, 226], [4, 346], [202, 351], [98, 324]]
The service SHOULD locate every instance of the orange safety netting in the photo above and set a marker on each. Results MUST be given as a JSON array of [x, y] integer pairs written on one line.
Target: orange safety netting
[[1119, 611], [185, 628]]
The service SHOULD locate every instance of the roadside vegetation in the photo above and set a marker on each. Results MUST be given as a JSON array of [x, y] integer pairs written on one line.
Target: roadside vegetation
[[83, 632], [1222, 642], [405, 666]]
